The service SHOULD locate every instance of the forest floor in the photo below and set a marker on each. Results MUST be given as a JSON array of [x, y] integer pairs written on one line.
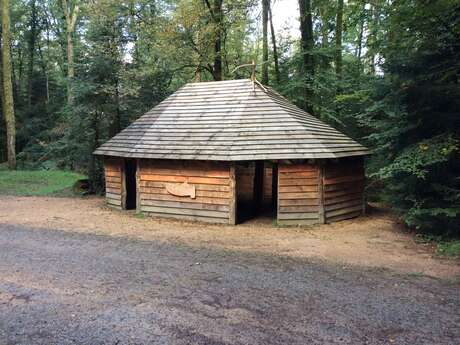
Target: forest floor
[[75, 272]]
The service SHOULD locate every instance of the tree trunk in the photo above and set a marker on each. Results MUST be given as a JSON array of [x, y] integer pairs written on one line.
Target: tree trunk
[[275, 50], [8, 103], [71, 19], [338, 40], [265, 4], [307, 43], [32, 38], [218, 16]]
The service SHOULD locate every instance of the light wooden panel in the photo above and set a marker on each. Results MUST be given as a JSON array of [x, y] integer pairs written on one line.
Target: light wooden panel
[[212, 185], [298, 194], [343, 189], [113, 181]]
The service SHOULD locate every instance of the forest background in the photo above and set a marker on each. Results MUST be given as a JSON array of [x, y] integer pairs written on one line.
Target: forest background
[[385, 72]]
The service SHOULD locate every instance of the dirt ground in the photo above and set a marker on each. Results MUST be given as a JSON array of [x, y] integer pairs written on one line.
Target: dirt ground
[[374, 241], [75, 272]]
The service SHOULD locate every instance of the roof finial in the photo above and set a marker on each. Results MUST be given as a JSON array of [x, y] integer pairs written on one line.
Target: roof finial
[[253, 66]]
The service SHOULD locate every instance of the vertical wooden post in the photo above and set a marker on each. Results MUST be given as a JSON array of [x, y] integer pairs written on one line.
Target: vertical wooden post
[[232, 219], [138, 186], [258, 186], [122, 163], [275, 186], [321, 212]]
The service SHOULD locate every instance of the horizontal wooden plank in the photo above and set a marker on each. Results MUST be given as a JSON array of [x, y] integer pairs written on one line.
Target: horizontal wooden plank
[[344, 211], [203, 200], [202, 180], [352, 178], [294, 209], [115, 179], [299, 202], [296, 168], [113, 202], [298, 182], [113, 196], [354, 185], [298, 215], [185, 205], [198, 186], [211, 194], [283, 189], [185, 217], [345, 204], [302, 195], [184, 172], [112, 174], [113, 185], [339, 193], [301, 174], [334, 200], [111, 190], [184, 211], [297, 222], [343, 216]]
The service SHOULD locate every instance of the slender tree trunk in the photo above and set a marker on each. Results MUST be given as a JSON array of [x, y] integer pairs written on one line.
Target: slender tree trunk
[[324, 39], [218, 17], [338, 40], [265, 4], [275, 50], [8, 103], [32, 39], [306, 33], [71, 16]]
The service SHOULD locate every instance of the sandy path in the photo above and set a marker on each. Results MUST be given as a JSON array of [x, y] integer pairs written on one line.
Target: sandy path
[[372, 241]]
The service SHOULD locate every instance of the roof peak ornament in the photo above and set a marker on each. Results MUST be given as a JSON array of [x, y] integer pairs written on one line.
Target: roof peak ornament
[[253, 66]]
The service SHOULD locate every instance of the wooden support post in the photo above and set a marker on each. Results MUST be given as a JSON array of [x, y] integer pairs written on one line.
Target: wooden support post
[[138, 186], [232, 219], [122, 163], [321, 212], [258, 186], [275, 186]]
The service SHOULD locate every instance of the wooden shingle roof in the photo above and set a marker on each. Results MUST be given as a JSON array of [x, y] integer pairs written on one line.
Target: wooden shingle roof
[[233, 120]]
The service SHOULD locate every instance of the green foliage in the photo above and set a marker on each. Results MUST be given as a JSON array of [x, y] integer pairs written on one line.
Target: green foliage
[[451, 248], [37, 182]]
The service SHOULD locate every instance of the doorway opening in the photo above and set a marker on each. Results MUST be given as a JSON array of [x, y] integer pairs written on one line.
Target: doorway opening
[[257, 191], [130, 183]]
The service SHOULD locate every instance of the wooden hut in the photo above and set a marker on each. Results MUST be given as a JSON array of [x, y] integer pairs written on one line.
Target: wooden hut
[[224, 151]]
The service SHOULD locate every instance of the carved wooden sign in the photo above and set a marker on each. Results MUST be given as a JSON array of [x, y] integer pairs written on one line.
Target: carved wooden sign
[[183, 189]]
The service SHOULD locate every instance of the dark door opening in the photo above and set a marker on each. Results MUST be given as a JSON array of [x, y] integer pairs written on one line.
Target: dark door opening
[[130, 183], [257, 190]]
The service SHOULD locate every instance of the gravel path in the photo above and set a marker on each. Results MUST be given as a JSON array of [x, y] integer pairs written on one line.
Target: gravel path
[[59, 287]]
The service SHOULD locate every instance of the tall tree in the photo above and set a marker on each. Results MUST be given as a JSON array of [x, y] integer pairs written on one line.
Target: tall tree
[[217, 16], [307, 44], [71, 15], [275, 49], [338, 39], [8, 103], [32, 38], [265, 5]]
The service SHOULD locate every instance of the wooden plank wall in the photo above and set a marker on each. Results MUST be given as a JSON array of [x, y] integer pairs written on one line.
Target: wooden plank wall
[[211, 180], [343, 185], [113, 168], [245, 182], [298, 197]]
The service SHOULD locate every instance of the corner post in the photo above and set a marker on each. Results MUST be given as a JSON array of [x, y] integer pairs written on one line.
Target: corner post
[[321, 211], [138, 186], [233, 195]]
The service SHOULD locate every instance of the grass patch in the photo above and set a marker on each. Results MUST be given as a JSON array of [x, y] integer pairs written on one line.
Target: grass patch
[[37, 182], [451, 248]]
